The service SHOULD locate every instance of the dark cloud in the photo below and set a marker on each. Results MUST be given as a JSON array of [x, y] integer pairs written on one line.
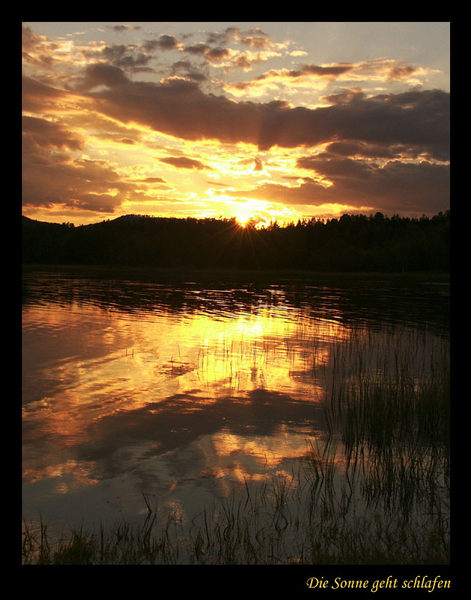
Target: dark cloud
[[29, 38], [52, 177], [183, 162], [345, 96], [185, 68], [36, 49], [338, 167], [181, 109], [164, 42], [81, 184], [412, 119], [244, 62], [396, 187], [258, 164], [37, 96], [253, 38], [419, 118], [42, 133], [363, 149], [220, 38], [378, 151], [211, 55], [303, 70], [332, 70], [198, 49], [126, 57], [217, 54], [121, 28], [102, 74], [151, 180], [398, 72]]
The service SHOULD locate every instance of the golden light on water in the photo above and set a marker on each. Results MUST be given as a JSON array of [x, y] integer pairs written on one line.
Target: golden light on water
[[195, 397], [103, 367]]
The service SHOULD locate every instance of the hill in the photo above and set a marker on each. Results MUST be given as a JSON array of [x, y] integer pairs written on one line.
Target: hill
[[349, 243]]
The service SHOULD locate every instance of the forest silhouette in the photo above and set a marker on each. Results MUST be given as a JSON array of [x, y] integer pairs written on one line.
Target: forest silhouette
[[349, 243]]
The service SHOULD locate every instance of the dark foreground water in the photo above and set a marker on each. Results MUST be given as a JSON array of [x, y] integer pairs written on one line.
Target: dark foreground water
[[189, 392]]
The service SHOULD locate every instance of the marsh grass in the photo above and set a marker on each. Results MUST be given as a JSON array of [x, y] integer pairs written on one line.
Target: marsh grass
[[373, 489]]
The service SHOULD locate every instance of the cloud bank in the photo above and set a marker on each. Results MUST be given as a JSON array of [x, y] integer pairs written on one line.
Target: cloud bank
[[357, 147]]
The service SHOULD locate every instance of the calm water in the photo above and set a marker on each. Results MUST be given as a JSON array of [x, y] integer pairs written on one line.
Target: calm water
[[187, 392]]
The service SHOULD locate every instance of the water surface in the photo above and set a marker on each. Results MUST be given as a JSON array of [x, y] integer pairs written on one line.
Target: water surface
[[189, 391]]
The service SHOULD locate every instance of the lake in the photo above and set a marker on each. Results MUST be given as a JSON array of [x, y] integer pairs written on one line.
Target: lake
[[187, 394]]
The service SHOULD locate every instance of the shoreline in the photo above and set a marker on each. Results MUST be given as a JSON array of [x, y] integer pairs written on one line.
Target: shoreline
[[257, 275]]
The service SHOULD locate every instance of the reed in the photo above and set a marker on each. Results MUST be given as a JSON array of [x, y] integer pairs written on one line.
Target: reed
[[324, 520]]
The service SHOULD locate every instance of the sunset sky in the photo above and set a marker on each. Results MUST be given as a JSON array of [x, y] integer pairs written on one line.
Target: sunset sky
[[271, 121]]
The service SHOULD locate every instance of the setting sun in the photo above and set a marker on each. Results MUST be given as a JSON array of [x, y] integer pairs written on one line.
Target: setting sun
[[243, 219], [246, 214]]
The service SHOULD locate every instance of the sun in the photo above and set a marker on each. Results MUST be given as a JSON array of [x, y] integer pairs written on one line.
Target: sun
[[243, 219], [256, 213], [250, 211]]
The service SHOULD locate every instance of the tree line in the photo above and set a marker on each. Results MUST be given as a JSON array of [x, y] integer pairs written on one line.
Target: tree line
[[348, 243]]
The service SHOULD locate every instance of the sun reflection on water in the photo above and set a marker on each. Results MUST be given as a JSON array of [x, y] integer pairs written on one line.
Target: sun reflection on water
[[122, 394]]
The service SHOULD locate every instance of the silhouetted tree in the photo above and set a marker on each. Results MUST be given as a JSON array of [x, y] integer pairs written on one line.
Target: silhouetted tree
[[349, 243]]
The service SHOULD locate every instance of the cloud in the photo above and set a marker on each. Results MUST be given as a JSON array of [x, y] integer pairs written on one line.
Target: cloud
[[151, 180], [37, 96], [127, 57], [364, 146], [212, 55], [258, 164], [36, 49], [252, 38], [329, 71], [309, 77], [396, 187], [388, 70], [235, 48], [224, 37], [102, 74], [51, 177], [121, 28], [344, 96], [80, 184], [186, 69], [164, 42], [362, 149], [29, 38], [180, 108], [42, 133], [183, 162], [400, 71]]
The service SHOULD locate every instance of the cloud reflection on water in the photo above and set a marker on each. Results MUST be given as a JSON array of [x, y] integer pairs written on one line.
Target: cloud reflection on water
[[183, 393]]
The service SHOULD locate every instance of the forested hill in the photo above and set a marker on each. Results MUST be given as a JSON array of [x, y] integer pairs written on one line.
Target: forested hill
[[349, 243]]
